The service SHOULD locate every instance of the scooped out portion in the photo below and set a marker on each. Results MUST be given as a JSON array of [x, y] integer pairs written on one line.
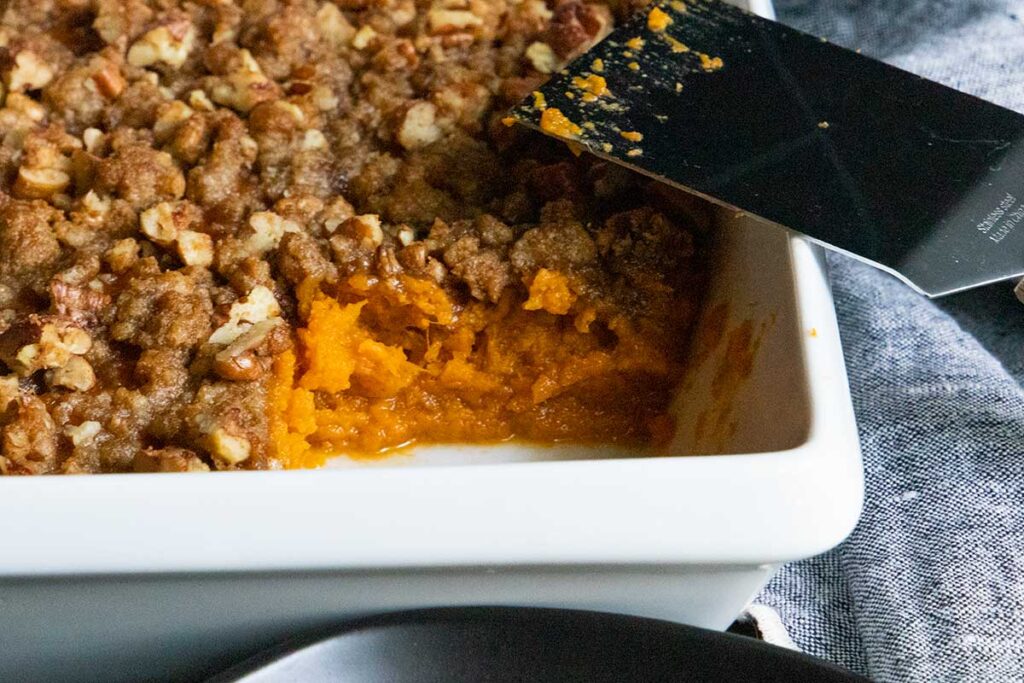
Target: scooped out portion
[[249, 235], [575, 335]]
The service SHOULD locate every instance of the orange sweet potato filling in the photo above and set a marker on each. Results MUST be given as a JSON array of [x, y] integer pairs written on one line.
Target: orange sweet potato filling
[[384, 364]]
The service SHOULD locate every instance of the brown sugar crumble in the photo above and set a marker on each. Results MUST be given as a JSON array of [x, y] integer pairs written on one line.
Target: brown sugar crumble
[[252, 235]]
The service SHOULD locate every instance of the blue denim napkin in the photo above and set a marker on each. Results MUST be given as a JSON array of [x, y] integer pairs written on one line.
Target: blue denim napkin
[[930, 585]]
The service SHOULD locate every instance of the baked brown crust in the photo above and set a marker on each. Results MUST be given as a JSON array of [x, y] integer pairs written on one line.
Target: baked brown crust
[[171, 172]]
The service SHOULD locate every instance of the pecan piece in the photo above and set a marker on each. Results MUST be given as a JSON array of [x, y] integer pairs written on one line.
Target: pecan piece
[[249, 357]]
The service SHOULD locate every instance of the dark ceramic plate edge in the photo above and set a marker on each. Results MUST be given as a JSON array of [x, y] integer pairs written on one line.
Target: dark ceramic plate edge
[[526, 644]]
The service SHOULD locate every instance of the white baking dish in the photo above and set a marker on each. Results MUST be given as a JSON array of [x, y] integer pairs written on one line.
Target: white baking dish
[[158, 576]]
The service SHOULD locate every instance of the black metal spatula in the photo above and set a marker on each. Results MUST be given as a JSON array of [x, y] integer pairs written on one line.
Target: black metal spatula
[[917, 178]]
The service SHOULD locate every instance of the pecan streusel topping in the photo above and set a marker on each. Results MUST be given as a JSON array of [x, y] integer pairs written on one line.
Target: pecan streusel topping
[[248, 234]]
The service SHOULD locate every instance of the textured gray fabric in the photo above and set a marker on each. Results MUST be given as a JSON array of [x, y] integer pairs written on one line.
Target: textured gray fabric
[[930, 585]]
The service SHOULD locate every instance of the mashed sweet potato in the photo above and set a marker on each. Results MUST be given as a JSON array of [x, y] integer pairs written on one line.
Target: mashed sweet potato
[[577, 355], [528, 366]]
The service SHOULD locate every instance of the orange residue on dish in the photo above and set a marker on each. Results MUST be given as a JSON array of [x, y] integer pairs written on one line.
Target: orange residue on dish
[[738, 360], [814, 332], [632, 135], [635, 43], [740, 346], [379, 365], [555, 122], [658, 20], [539, 102], [509, 121], [679, 6], [710, 332], [709, 63], [597, 65], [700, 426], [633, 66], [593, 86]]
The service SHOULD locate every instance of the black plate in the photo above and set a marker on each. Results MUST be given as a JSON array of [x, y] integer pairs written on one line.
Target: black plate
[[526, 644]]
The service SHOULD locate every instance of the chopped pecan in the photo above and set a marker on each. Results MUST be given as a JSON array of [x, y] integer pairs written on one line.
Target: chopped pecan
[[170, 44], [257, 306], [387, 263], [250, 355], [84, 433], [443, 21], [419, 127], [10, 390], [109, 81], [43, 342], [542, 58], [30, 440], [40, 183], [163, 222], [334, 27], [267, 230], [364, 37], [122, 255], [76, 375], [576, 26], [28, 72], [245, 87], [365, 228], [168, 460], [170, 118], [227, 447], [195, 248], [80, 303]]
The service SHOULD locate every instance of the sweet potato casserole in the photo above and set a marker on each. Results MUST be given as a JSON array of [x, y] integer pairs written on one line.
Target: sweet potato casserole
[[248, 235]]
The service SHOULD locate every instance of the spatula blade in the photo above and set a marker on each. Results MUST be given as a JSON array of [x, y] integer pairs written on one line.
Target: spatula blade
[[915, 177]]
